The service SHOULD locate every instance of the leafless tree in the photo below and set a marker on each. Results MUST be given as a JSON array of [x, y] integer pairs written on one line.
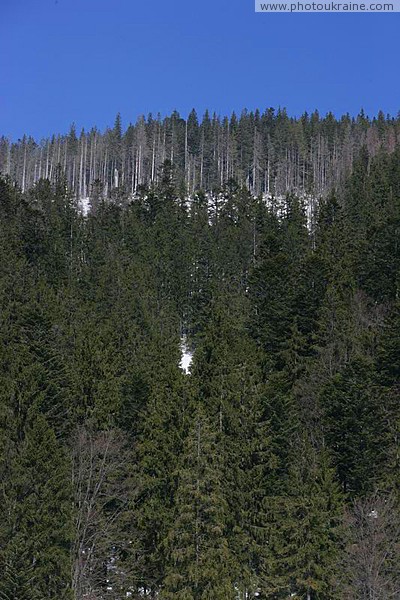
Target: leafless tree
[[305, 156], [371, 562], [103, 492]]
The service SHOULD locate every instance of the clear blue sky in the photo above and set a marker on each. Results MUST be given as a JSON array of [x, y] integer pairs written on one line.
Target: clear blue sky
[[85, 60]]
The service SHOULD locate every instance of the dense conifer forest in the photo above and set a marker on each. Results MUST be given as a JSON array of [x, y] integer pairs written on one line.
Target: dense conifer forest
[[265, 248]]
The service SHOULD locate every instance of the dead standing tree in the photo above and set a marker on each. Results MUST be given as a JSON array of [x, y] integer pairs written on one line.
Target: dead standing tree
[[101, 485], [371, 563]]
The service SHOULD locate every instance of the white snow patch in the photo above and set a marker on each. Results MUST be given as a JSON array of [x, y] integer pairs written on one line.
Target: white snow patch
[[84, 204], [278, 205], [186, 356]]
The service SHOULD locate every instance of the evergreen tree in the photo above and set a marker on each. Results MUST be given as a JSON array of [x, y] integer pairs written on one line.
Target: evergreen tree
[[304, 530], [200, 565], [354, 427], [37, 514]]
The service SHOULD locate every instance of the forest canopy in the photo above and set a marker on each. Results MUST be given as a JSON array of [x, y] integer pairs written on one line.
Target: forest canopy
[[266, 246]]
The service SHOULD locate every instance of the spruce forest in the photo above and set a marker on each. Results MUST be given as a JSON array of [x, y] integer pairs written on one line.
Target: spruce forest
[[200, 360]]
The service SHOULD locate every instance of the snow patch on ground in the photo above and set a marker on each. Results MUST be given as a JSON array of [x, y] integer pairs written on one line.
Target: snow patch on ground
[[186, 356], [278, 205], [84, 204]]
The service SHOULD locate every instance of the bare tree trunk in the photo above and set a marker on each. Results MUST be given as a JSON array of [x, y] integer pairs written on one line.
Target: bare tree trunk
[[24, 168]]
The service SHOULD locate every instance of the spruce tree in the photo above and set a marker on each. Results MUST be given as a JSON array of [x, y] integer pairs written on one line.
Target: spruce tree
[[38, 516], [304, 530], [200, 565]]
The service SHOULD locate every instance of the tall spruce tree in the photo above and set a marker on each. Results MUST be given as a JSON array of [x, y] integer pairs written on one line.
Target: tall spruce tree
[[200, 565]]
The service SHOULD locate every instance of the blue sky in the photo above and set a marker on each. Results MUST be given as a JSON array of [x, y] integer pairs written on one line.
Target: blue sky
[[85, 60]]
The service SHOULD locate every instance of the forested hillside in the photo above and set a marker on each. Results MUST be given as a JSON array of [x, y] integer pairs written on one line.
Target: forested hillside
[[267, 152], [271, 469]]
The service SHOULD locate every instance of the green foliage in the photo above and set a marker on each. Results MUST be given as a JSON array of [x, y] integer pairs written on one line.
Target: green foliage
[[354, 427], [200, 564], [37, 516], [122, 474], [303, 530]]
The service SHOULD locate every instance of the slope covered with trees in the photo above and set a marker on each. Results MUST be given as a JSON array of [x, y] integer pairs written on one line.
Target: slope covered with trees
[[267, 152], [271, 470]]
